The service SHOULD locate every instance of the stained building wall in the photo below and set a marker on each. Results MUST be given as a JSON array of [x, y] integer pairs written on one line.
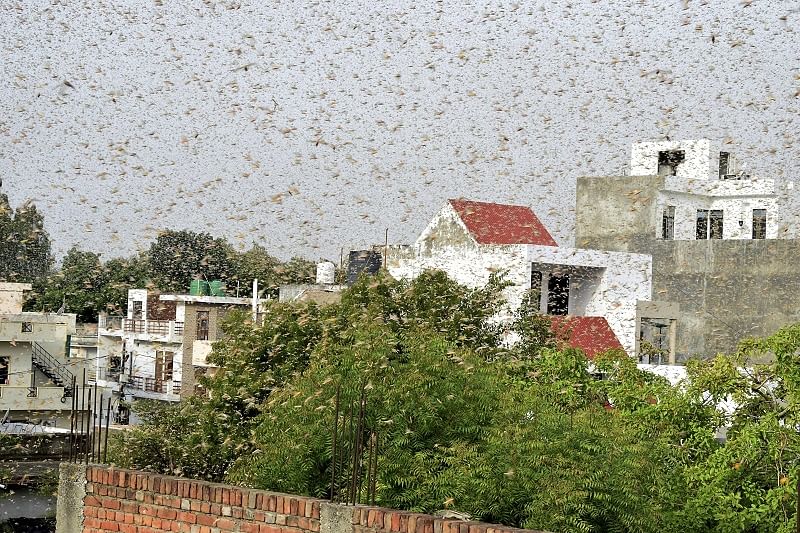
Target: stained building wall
[[726, 289]]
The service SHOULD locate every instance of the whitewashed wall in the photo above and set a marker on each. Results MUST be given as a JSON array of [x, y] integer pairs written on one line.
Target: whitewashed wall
[[734, 210], [700, 162], [626, 278], [614, 281]]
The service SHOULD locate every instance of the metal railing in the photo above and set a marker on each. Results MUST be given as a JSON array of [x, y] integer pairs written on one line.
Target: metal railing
[[152, 327], [149, 384], [52, 367]]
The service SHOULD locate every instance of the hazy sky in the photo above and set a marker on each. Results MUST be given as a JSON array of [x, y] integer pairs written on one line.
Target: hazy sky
[[308, 127]]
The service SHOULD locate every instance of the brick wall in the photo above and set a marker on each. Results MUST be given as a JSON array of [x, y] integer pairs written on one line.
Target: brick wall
[[100, 499]]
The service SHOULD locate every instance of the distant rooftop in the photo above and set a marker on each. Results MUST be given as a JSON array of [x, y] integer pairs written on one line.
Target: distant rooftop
[[220, 300], [501, 223]]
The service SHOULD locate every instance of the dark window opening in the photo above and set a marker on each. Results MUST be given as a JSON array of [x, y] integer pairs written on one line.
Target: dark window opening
[[137, 311], [702, 225], [114, 364], [164, 365], [759, 223], [715, 226], [27, 327], [3, 370], [558, 295], [668, 223], [724, 164], [202, 325], [654, 341], [669, 160], [535, 294], [709, 224]]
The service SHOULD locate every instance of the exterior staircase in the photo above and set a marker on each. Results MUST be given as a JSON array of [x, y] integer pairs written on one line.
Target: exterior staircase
[[51, 367]]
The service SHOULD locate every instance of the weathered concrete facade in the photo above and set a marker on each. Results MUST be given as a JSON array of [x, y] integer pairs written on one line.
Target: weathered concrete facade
[[720, 290]]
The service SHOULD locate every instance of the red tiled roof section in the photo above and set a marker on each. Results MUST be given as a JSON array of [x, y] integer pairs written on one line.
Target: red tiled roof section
[[502, 224], [592, 334]]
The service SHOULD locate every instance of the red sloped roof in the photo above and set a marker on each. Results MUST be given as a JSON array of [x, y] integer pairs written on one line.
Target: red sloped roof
[[502, 224], [592, 334]]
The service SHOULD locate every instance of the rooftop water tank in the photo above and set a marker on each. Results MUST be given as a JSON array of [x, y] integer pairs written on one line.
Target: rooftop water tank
[[367, 261], [326, 273]]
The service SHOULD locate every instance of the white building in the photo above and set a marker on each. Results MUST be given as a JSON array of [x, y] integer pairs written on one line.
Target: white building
[[470, 240], [139, 355], [706, 196], [723, 244], [35, 374]]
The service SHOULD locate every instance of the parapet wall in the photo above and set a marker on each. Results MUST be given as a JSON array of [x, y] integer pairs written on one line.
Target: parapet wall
[[94, 498]]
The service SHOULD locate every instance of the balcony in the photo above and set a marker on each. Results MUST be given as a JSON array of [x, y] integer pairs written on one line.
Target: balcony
[[157, 330], [148, 384]]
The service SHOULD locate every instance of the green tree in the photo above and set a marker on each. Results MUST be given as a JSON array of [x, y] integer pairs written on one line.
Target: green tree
[[24, 244], [178, 257], [79, 286]]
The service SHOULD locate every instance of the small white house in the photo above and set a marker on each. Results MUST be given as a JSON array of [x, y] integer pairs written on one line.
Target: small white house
[[470, 240]]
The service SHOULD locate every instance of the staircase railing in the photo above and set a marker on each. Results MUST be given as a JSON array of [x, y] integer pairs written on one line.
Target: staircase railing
[[52, 367]]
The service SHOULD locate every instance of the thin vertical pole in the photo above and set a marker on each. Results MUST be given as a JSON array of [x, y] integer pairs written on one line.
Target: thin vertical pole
[[94, 421], [79, 444], [386, 248], [88, 428], [100, 429], [333, 448], [72, 401], [360, 442], [108, 422]]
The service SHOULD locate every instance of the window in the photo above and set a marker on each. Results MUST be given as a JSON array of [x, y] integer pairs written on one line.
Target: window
[[668, 162], [3, 370], [558, 295], [716, 224], [27, 327], [724, 164], [535, 294], [759, 223], [654, 341], [709, 224], [164, 365], [702, 225], [137, 311], [202, 325], [668, 223]]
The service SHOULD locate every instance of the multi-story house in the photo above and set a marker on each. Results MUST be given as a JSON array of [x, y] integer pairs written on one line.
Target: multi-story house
[[724, 244], [35, 375], [160, 347], [591, 295]]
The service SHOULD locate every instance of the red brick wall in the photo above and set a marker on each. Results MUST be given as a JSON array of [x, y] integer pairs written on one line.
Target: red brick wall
[[140, 502]]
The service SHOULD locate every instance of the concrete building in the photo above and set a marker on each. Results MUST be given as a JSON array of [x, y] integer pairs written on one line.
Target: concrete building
[[160, 347], [35, 377], [722, 246], [470, 240], [139, 355], [203, 316]]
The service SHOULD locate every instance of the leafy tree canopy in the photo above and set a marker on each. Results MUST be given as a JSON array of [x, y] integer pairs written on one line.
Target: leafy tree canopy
[[24, 244]]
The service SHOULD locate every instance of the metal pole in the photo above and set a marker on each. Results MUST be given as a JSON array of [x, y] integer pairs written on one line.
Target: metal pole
[[94, 419], [386, 248], [88, 421], [333, 449], [108, 421], [100, 429], [72, 402]]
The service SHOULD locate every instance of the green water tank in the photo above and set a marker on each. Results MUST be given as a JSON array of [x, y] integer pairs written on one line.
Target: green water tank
[[217, 288], [199, 287], [194, 288]]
